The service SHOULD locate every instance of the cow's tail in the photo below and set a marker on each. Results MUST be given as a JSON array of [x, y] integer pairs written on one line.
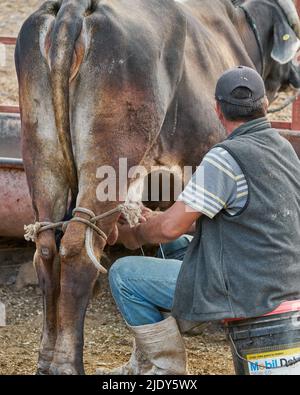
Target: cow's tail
[[64, 62]]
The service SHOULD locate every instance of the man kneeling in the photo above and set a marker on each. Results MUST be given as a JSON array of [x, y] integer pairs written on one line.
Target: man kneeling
[[244, 258]]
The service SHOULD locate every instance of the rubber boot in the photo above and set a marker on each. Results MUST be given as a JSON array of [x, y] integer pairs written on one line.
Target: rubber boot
[[163, 346], [137, 365]]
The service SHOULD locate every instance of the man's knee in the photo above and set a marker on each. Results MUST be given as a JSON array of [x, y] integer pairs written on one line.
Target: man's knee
[[118, 271]]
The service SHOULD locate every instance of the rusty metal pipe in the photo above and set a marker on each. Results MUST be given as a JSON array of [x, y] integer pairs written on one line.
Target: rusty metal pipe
[[11, 163], [15, 202]]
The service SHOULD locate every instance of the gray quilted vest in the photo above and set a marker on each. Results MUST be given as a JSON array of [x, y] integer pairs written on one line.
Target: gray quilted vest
[[246, 265]]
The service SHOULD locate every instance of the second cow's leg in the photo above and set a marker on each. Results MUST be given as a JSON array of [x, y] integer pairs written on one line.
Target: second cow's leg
[[77, 280]]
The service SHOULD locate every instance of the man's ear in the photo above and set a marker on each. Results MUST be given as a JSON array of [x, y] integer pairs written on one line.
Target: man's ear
[[218, 109], [286, 43], [219, 113]]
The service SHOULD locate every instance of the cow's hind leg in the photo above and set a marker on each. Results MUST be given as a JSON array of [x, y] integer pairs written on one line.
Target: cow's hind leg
[[44, 163], [49, 191], [78, 277], [46, 263]]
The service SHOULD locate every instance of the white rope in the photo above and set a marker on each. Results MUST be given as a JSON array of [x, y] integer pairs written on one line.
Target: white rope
[[132, 212], [31, 231]]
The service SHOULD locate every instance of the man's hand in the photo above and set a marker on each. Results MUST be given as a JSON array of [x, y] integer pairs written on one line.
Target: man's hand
[[124, 234], [158, 227], [128, 237], [147, 213]]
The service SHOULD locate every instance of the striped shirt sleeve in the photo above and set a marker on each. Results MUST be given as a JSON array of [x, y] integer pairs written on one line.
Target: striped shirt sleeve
[[218, 184]]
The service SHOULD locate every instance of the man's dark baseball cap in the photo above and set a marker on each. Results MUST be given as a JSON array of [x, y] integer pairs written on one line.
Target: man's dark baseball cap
[[240, 77]]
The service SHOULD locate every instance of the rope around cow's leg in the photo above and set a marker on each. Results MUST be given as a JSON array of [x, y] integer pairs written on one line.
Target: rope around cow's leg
[[131, 211], [32, 231]]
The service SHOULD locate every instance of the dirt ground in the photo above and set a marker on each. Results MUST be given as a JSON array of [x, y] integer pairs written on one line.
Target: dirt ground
[[107, 340]]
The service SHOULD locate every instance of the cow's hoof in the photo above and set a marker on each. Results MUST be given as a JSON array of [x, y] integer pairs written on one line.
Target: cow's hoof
[[65, 369], [43, 366], [42, 372]]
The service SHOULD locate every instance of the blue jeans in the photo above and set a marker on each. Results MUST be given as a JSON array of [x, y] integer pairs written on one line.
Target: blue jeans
[[144, 286]]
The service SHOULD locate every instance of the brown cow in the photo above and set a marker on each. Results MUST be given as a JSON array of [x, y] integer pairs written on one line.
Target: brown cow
[[105, 79]]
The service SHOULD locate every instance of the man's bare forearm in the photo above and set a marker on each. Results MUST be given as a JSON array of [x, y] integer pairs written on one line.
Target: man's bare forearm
[[153, 231], [167, 226], [160, 228]]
